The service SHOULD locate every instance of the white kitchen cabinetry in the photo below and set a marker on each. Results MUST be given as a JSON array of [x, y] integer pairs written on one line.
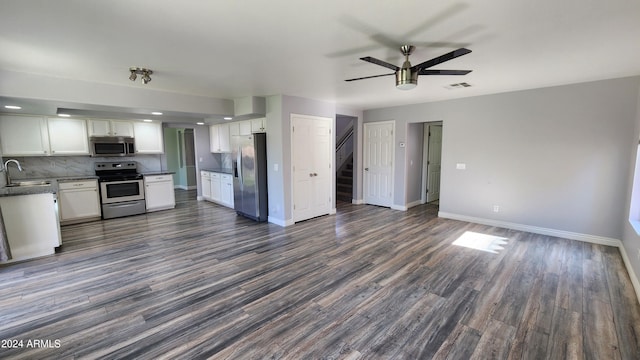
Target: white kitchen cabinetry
[[216, 188], [32, 225], [39, 136], [148, 138], [205, 181], [101, 127], [259, 125], [245, 127], [24, 136], [158, 192], [226, 190], [68, 136], [78, 201], [220, 138]]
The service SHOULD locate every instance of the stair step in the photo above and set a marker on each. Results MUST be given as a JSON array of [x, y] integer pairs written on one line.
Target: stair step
[[347, 172], [344, 180], [344, 196], [344, 188]]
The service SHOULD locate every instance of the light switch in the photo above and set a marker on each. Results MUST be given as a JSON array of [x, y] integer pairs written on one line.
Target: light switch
[[461, 166]]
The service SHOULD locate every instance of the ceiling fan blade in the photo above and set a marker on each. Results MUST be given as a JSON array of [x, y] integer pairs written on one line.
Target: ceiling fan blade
[[443, 72], [380, 62], [440, 59], [369, 77]]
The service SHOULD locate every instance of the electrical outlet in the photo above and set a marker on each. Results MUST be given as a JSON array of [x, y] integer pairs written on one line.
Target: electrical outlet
[[496, 208]]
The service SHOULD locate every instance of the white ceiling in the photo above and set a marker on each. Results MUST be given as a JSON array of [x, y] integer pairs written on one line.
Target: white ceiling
[[230, 49]]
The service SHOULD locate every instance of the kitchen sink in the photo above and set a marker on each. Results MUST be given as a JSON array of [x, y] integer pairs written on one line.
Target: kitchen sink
[[29, 183]]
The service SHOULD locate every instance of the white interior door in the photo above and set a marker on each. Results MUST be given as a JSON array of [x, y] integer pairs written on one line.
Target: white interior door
[[312, 164], [434, 162], [378, 163]]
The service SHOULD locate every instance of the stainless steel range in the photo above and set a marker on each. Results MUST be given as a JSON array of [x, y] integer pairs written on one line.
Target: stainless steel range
[[121, 189]]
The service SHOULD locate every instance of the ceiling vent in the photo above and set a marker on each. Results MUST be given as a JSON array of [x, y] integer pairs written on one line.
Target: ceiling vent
[[458, 86]]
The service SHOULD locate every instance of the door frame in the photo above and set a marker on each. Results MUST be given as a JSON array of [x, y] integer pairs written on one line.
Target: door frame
[[365, 157], [425, 158]]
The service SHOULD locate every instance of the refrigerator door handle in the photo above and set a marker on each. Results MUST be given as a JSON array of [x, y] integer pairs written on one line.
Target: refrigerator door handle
[[239, 165]]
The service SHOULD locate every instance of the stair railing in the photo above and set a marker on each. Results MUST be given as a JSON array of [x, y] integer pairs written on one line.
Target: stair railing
[[344, 149]]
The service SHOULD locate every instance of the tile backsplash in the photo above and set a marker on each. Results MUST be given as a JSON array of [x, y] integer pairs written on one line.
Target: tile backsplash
[[36, 167]]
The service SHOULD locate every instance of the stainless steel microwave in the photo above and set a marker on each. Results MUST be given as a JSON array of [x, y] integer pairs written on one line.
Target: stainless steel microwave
[[112, 146]]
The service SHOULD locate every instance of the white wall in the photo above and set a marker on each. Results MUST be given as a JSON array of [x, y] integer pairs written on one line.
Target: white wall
[[630, 239], [554, 158]]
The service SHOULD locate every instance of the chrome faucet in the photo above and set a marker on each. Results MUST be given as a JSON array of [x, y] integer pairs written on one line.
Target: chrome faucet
[[6, 169]]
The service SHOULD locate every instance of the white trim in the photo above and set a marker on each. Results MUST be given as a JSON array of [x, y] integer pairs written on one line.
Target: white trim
[[357, 201], [535, 229], [280, 222], [332, 211], [199, 198], [632, 274], [399, 207]]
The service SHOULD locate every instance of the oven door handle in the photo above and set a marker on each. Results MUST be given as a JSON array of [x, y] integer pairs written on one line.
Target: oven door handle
[[122, 205]]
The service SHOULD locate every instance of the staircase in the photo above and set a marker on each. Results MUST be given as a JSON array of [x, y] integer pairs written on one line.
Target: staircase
[[344, 181]]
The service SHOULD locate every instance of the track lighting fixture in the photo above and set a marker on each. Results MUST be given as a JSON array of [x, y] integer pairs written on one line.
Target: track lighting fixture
[[135, 71]]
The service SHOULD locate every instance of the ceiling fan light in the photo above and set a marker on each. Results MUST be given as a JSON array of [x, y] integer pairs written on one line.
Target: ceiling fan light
[[133, 75], [406, 79]]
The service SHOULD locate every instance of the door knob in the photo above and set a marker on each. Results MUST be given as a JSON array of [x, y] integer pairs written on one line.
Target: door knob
[[315, 174], [310, 174], [366, 169]]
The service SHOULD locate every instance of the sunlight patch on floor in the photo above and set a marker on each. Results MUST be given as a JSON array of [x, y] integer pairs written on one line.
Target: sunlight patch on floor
[[483, 242]]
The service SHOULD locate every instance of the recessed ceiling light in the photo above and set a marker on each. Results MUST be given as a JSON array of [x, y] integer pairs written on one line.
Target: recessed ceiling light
[[64, 115], [228, 118], [156, 113], [13, 107], [147, 120], [200, 123]]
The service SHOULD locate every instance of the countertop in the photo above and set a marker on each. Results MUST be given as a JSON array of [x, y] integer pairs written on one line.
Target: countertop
[[41, 189], [155, 173], [219, 170]]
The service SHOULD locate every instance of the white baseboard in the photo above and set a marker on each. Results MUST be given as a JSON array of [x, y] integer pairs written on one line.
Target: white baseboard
[[332, 211], [280, 222], [399, 207], [601, 240], [199, 198], [357, 201], [632, 274], [535, 229]]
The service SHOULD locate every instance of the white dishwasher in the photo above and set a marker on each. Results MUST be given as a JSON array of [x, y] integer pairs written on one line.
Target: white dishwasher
[[158, 192]]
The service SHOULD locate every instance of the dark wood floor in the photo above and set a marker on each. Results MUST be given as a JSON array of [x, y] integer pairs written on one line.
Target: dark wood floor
[[367, 283]]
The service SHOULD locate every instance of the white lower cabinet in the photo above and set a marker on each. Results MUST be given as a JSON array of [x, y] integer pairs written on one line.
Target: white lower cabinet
[[159, 193], [226, 190], [78, 201], [31, 224], [217, 187], [205, 182], [216, 190]]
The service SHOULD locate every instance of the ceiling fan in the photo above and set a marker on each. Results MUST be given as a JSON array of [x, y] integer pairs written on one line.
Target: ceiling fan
[[407, 75]]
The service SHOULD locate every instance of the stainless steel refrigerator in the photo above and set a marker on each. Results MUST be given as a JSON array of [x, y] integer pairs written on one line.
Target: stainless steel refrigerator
[[250, 176]]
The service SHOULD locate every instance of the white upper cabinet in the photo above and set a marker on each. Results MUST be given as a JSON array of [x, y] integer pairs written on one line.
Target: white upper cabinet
[[245, 127], [259, 125], [148, 137], [68, 136], [110, 128], [24, 135], [39, 136], [220, 138]]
